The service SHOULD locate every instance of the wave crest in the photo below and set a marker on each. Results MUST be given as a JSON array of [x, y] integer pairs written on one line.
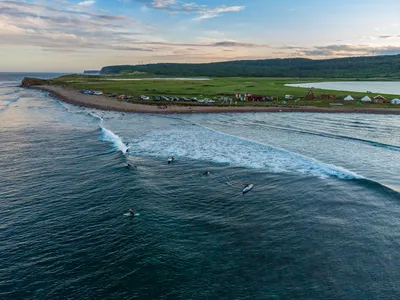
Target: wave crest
[[201, 143]]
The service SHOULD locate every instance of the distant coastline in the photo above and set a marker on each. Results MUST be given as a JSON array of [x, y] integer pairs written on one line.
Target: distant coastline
[[73, 96]]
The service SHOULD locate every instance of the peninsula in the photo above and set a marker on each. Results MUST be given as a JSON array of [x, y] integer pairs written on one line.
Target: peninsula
[[141, 94]]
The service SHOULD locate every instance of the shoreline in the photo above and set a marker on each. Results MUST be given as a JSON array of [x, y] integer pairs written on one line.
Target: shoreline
[[73, 96]]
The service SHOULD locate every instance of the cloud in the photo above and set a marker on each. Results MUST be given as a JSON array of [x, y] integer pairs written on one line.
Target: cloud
[[179, 7], [58, 26], [349, 50], [239, 44], [386, 36], [86, 3]]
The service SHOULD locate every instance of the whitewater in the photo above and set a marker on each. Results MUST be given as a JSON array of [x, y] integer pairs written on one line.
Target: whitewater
[[186, 138]]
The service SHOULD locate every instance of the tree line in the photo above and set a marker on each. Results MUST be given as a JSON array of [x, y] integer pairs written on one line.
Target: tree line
[[349, 67]]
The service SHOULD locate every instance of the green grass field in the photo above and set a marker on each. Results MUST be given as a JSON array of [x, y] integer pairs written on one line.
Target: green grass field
[[216, 87]]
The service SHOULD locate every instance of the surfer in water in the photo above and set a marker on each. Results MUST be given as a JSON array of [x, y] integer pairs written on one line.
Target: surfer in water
[[171, 159], [207, 173]]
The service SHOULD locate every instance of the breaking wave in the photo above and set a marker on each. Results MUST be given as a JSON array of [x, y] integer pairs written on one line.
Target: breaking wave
[[202, 143], [109, 136], [8, 101], [10, 83], [195, 141], [106, 134], [334, 136]]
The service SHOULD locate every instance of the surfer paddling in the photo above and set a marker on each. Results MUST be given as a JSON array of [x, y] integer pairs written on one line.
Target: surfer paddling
[[132, 213]]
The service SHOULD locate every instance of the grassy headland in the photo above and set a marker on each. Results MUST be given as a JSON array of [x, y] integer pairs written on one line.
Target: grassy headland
[[215, 87]]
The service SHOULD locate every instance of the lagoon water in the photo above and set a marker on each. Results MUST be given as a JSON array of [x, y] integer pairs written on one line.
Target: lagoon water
[[322, 222], [382, 87], [157, 79]]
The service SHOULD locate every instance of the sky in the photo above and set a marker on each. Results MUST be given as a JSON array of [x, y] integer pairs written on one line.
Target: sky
[[75, 35]]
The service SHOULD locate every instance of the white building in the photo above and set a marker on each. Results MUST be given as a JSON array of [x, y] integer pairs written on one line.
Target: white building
[[349, 98]]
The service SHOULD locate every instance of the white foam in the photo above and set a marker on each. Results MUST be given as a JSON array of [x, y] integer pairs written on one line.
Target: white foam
[[109, 136], [97, 117], [206, 144], [190, 140], [10, 83]]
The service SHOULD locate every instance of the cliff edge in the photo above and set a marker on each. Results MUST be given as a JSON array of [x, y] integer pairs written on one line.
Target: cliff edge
[[29, 82]]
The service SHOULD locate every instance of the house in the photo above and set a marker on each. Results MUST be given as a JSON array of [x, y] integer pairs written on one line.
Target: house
[[254, 98], [379, 99], [366, 99], [395, 101], [348, 98], [329, 97], [310, 95]]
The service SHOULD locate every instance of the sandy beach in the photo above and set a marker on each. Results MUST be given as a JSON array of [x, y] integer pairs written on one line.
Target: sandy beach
[[103, 102]]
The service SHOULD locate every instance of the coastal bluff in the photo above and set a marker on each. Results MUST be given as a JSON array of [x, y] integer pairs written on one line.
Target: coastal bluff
[[30, 82]]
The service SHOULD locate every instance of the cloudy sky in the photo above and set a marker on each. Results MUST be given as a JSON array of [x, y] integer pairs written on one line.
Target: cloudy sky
[[70, 35]]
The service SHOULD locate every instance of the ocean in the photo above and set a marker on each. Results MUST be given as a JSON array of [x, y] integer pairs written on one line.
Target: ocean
[[322, 221]]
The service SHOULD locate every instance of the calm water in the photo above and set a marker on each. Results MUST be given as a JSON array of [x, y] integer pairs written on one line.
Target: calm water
[[383, 87], [323, 221], [153, 79]]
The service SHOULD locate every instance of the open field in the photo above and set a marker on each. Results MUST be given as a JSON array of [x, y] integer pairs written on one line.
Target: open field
[[216, 87]]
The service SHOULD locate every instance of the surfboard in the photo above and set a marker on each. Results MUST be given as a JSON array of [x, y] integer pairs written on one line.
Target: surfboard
[[248, 188], [129, 215]]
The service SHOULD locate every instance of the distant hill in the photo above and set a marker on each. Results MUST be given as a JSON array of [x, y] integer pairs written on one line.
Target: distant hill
[[92, 72], [387, 66]]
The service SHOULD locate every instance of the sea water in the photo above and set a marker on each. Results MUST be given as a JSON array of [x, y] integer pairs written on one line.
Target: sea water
[[322, 221]]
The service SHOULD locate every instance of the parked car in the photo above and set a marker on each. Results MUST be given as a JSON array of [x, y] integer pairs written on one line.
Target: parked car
[[98, 93], [164, 98], [128, 97], [183, 99], [144, 97], [121, 97], [193, 99], [113, 95], [155, 98]]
